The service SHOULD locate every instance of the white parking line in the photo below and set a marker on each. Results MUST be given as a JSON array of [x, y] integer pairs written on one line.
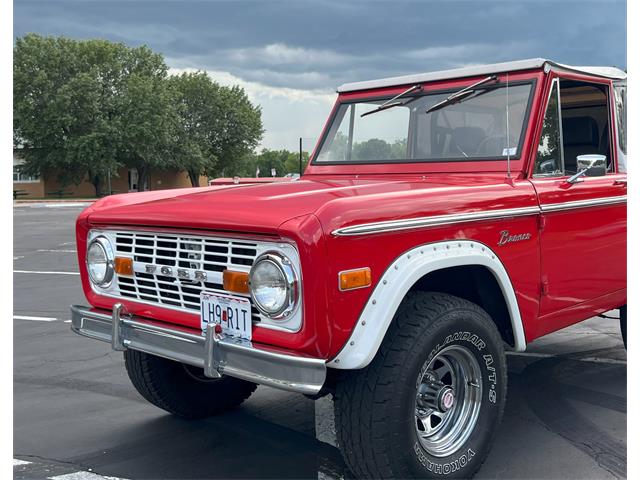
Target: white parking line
[[34, 319], [65, 205], [46, 273], [51, 205], [57, 251], [83, 476], [79, 475]]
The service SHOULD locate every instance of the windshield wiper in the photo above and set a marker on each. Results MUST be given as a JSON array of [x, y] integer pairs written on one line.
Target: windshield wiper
[[460, 94], [392, 102]]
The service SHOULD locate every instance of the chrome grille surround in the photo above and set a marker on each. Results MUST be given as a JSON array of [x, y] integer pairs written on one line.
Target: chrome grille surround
[[169, 266]]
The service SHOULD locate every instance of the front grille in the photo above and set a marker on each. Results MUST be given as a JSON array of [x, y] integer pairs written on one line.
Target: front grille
[[212, 255]]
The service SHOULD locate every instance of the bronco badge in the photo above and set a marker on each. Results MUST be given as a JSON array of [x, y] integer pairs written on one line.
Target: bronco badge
[[506, 237]]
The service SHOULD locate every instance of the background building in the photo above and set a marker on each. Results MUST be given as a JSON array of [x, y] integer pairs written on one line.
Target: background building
[[125, 181]]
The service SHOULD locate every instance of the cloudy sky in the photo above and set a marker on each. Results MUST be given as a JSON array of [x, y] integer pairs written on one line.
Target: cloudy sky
[[291, 55]]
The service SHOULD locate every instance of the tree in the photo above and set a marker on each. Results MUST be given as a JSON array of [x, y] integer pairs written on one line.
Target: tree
[[56, 109], [218, 126], [84, 108], [240, 127], [147, 120], [196, 97], [292, 163], [372, 149]]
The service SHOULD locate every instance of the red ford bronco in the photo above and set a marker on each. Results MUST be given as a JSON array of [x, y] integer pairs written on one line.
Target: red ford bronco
[[443, 218]]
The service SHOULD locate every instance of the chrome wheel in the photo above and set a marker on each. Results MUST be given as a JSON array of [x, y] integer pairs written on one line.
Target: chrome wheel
[[448, 399]]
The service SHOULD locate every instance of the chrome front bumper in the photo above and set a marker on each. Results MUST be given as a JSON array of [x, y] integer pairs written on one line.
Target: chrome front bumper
[[216, 354]]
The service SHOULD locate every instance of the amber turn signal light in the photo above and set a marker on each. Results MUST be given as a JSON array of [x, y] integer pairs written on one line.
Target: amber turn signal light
[[235, 281], [123, 266], [358, 278]]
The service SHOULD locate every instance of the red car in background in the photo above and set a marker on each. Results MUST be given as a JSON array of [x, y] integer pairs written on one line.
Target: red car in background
[[251, 180]]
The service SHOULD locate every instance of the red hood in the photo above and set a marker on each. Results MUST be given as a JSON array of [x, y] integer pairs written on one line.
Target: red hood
[[335, 201], [247, 208]]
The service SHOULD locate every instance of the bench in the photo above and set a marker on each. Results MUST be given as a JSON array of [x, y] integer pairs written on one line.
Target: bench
[[60, 193], [19, 193]]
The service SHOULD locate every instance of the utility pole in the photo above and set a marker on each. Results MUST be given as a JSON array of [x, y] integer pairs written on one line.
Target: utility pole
[[300, 153]]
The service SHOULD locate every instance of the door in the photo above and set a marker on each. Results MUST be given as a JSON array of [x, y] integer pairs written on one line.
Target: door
[[583, 222], [133, 180]]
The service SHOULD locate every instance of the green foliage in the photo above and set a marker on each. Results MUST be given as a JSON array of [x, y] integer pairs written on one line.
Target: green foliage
[[218, 125], [241, 126], [85, 108], [147, 121]]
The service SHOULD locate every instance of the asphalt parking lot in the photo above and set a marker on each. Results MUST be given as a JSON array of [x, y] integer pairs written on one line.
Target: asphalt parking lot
[[76, 416]]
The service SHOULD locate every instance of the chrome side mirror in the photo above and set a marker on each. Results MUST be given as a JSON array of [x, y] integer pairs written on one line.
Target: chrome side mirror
[[593, 165]]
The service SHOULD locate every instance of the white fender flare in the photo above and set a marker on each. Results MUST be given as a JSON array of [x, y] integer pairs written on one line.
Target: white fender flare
[[398, 279]]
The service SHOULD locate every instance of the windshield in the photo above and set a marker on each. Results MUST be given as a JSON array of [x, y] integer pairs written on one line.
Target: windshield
[[474, 128]]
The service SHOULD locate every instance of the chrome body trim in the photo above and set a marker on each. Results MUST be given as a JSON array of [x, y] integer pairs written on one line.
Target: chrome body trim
[[439, 220], [434, 221], [595, 202], [216, 354]]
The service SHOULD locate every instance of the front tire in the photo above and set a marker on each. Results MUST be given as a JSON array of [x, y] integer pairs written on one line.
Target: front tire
[[183, 390], [429, 403]]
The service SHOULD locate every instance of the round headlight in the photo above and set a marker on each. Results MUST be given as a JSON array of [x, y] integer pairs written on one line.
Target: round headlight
[[100, 261], [273, 285]]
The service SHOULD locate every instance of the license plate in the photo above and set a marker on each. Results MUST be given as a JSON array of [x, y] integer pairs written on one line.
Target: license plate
[[232, 313]]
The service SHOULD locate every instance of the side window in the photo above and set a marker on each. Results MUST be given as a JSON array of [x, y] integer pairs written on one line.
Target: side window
[[549, 157], [577, 122], [584, 109]]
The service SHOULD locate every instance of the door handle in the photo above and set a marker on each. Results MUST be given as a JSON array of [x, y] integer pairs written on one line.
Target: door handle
[[620, 183]]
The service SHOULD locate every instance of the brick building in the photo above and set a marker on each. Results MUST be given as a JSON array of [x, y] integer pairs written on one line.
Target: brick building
[[125, 181]]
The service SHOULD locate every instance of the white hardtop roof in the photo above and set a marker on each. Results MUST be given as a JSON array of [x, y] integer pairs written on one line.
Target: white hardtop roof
[[476, 70]]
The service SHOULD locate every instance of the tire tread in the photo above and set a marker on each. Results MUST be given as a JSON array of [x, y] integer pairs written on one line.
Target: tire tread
[[166, 385]]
